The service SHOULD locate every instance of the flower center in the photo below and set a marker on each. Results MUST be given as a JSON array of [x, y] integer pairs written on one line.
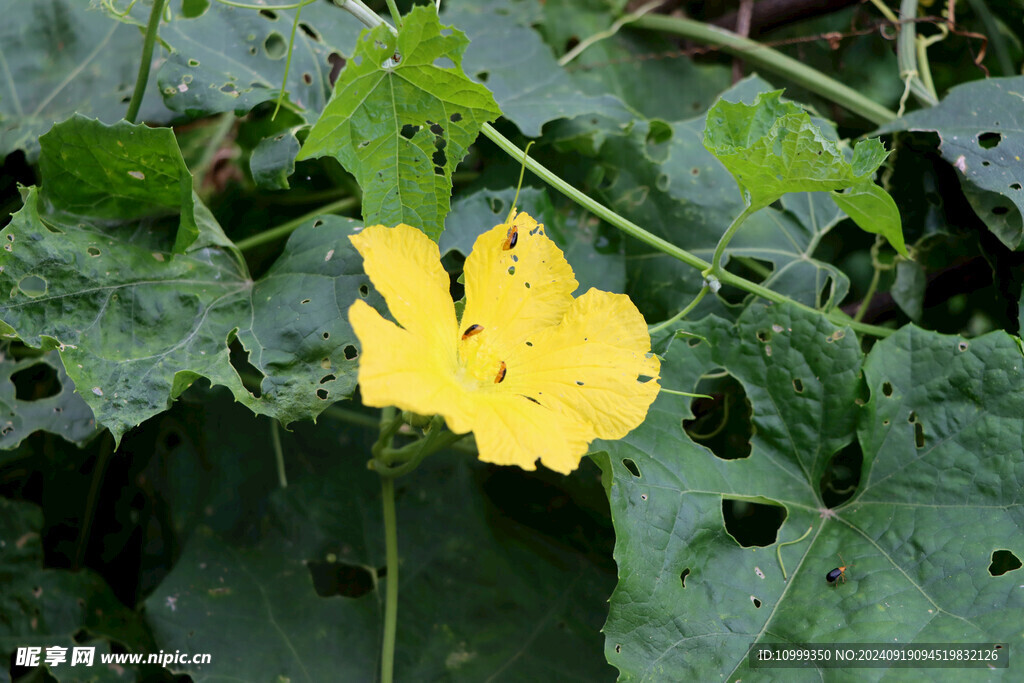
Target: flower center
[[480, 364]]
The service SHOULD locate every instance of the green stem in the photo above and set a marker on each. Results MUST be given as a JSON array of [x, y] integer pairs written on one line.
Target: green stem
[[288, 228], [275, 437], [770, 60], [654, 329], [723, 242], [866, 303], [906, 53], [364, 14], [147, 59], [634, 230], [396, 16], [387, 651]]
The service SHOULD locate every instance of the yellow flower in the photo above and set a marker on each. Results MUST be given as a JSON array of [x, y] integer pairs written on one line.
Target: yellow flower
[[530, 370]]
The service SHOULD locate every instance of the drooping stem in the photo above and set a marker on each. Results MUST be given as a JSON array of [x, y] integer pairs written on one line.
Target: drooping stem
[[723, 242], [387, 651], [681, 314], [288, 228], [865, 304], [147, 60], [768, 59]]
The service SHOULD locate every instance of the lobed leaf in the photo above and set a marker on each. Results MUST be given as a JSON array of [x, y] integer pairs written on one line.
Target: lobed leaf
[[402, 117], [136, 323], [918, 534]]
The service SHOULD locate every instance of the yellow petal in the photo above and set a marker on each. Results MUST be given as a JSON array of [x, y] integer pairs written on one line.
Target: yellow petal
[[515, 292], [396, 368], [512, 430], [595, 366], [405, 267]]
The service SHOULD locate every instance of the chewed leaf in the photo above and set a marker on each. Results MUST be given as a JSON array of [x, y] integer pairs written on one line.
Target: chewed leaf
[[401, 119], [980, 128], [773, 147]]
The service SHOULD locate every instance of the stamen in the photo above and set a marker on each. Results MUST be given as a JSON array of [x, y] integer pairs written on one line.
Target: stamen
[[471, 330], [501, 373]]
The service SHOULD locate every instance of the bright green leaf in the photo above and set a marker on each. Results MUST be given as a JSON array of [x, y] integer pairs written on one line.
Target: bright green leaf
[[981, 133], [773, 147], [401, 127], [873, 210]]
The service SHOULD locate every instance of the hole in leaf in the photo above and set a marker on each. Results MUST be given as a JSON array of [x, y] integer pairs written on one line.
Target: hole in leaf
[[339, 578], [841, 477], [269, 14], [1004, 561], [33, 286], [986, 163], [682, 577], [659, 135], [757, 603], [322, 394], [989, 140], [310, 31], [752, 524], [631, 466], [482, 76], [326, 335], [409, 130], [337, 63], [351, 352], [250, 375], [364, 291], [456, 117], [886, 389], [912, 418], [305, 301], [327, 378], [798, 385], [275, 45], [722, 423], [694, 342], [764, 336], [962, 346], [1001, 210], [827, 292], [35, 382], [919, 434], [444, 63], [307, 78], [618, 649]]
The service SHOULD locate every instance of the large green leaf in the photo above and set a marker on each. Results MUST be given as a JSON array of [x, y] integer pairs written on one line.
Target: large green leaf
[[57, 608], [402, 117], [229, 59], [772, 148], [938, 496], [480, 598], [136, 324], [981, 133]]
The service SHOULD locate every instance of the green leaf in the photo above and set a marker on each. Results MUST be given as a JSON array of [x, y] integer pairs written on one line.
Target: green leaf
[[908, 289], [773, 147], [874, 211], [402, 128], [273, 161], [980, 128], [136, 324], [527, 82], [62, 58], [42, 607], [63, 412], [692, 599], [123, 172], [479, 598]]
